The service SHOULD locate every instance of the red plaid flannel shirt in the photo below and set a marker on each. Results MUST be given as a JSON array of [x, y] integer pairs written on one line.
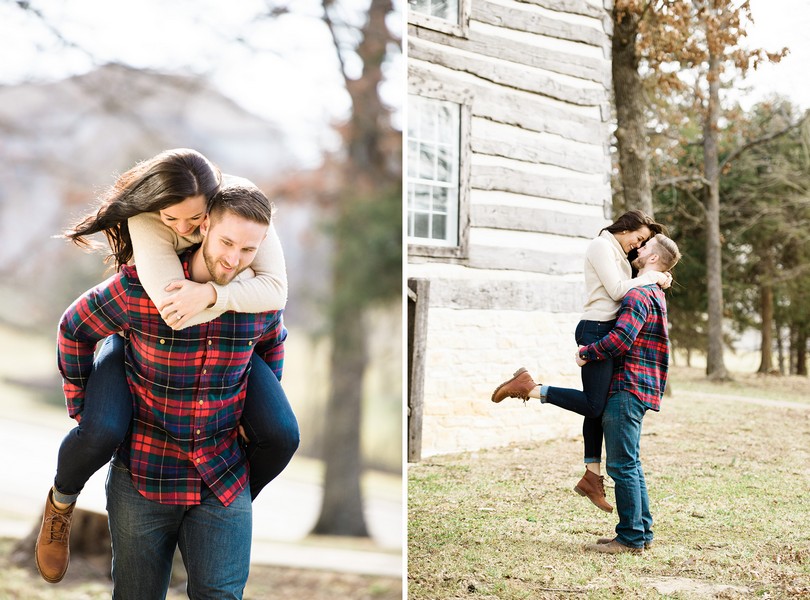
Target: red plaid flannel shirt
[[188, 386]]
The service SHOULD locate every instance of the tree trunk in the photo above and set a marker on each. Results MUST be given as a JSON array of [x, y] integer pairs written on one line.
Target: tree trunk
[[715, 366], [365, 174], [766, 312], [801, 350], [631, 139], [342, 508]]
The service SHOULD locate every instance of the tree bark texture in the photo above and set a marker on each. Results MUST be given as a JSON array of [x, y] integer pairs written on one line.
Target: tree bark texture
[[715, 365], [631, 139], [365, 172], [342, 508], [801, 350], [766, 315]]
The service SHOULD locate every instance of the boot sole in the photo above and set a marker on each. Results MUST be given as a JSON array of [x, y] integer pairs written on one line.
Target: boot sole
[[584, 495], [515, 374], [45, 577]]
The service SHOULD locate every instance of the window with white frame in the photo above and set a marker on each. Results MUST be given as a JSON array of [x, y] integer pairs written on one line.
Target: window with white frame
[[433, 171], [441, 9]]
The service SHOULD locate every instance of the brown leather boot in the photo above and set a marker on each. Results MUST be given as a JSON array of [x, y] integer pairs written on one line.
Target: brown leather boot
[[607, 540], [593, 486], [518, 387], [613, 547], [52, 550]]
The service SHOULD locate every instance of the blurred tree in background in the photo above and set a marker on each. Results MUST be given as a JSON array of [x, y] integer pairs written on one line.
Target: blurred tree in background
[[356, 188], [711, 172], [367, 261]]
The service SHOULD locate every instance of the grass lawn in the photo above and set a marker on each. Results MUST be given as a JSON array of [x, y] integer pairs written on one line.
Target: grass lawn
[[728, 483]]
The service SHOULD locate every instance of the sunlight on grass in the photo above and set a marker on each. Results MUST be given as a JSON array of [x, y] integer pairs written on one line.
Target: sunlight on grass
[[727, 482]]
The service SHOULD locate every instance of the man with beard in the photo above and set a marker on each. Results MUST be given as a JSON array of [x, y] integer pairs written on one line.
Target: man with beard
[[639, 344], [180, 478]]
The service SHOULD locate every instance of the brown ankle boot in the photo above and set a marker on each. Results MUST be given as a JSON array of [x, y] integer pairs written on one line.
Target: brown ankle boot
[[52, 551], [593, 486], [518, 387]]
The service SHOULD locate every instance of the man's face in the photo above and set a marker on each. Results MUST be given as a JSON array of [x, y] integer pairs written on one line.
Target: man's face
[[229, 245], [644, 254]]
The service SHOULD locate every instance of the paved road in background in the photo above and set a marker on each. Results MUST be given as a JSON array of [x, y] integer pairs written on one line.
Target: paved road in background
[[284, 513]]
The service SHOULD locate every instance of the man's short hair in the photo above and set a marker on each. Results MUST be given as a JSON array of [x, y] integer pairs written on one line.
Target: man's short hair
[[666, 249], [243, 198]]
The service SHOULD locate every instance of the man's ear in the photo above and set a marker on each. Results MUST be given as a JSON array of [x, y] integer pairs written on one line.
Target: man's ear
[[205, 226]]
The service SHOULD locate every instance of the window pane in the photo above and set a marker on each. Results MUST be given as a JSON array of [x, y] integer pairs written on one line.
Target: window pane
[[413, 158], [421, 198], [440, 200], [444, 9], [433, 170], [421, 225], [447, 164], [439, 227]]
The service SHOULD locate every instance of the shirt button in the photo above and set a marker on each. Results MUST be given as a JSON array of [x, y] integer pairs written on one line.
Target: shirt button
[[201, 402], [250, 343], [209, 342], [162, 341], [198, 432], [198, 461], [205, 371]]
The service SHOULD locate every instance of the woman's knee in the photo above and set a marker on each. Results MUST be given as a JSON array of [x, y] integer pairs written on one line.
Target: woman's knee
[[280, 439], [105, 433]]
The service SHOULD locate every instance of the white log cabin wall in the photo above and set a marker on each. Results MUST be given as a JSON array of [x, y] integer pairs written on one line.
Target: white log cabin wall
[[535, 78]]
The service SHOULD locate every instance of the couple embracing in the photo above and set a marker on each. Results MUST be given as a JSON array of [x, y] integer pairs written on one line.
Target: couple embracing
[[184, 394], [623, 354]]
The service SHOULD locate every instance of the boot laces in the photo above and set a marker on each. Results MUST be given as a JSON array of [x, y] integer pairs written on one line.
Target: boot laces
[[59, 527]]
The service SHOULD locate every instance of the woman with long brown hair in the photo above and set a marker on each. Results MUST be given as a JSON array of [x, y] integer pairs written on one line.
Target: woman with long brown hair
[[608, 277], [152, 212]]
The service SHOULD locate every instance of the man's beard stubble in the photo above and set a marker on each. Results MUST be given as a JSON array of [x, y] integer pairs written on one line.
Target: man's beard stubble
[[211, 265]]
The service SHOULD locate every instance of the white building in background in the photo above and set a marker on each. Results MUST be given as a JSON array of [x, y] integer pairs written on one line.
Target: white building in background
[[508, 180]]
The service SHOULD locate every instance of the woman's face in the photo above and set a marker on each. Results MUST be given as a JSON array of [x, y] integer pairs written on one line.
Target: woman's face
[[186, 216], [630, 240]]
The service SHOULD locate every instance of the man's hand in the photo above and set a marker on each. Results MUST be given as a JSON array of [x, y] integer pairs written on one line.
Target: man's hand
[[190, 299], [580, 362]]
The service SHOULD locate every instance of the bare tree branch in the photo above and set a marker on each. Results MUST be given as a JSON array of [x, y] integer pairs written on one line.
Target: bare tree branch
[[762, 140], [675, 181]]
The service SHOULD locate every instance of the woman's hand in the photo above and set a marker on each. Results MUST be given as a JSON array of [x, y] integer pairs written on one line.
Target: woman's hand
[[190, 299], [665, 280], [580, 362]]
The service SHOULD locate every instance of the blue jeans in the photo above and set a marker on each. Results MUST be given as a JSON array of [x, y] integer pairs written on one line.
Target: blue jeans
[[270, 425], [214, 541], [105, 420], [622, 425], [268, 419], [590, 402]]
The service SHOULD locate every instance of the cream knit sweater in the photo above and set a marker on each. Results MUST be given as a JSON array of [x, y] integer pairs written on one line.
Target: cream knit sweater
[[155, 248], [607, 278]]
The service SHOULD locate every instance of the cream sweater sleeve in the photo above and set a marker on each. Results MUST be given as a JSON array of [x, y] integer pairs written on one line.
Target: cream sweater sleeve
[[614, 280], [267, 290], [155, 249]]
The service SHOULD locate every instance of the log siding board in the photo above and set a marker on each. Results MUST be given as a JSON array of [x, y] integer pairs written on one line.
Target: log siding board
[[518, 218], [524, 259], [509, 106], [549, 296], [506, 74], [486, 177], [563, 63], [502, 140], [515, 17], [574, 7]]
